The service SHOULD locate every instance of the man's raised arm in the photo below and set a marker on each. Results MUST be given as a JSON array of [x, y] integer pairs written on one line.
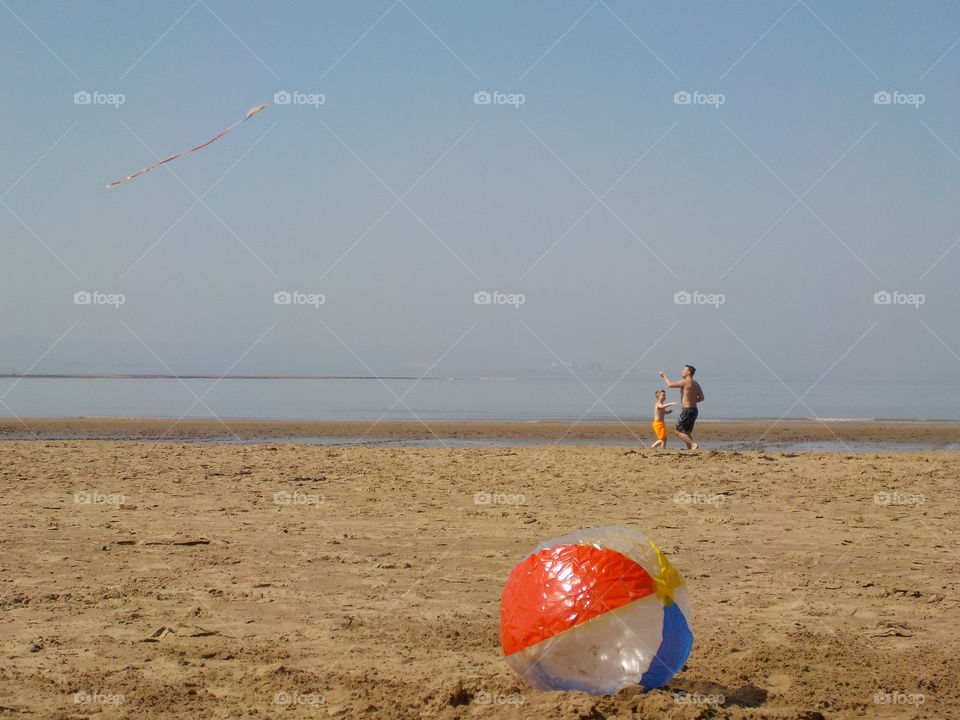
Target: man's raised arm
[[678, 384]]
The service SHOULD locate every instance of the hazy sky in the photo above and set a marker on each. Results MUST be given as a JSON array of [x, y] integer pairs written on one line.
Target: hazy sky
[[587, 188]]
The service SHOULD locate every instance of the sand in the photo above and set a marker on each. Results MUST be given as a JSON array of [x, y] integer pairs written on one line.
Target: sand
[[291, 580]]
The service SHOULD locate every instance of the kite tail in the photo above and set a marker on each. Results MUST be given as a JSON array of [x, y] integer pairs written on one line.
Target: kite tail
[[250, 113]]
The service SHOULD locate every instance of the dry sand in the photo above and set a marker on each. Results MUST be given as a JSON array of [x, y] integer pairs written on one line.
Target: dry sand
[[376, 593]]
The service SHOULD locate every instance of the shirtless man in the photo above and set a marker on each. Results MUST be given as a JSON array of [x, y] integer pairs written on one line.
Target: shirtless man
[[690, 395]]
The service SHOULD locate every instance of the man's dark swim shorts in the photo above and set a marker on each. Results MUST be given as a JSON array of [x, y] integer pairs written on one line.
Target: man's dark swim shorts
[[688, 417]]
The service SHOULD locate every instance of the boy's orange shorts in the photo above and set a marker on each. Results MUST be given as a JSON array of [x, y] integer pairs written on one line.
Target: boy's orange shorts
[[660, 429]]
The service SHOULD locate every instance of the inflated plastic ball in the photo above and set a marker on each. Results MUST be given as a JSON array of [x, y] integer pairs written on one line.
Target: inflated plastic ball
[[596, 610]]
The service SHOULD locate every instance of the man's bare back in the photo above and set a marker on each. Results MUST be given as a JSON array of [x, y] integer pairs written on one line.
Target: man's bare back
[[690, 393]]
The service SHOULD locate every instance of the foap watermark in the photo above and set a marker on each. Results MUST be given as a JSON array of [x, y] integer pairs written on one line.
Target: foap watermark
[[487, 698], [686, 97], [95, 497], [83, 297], [483, 297], [293, 697], [895, 497], [487, 498], [295, 97], [84, 97], [884, 297], [295, 297], [97, 698], [685, 297], [485, 97], [685, 498], [685, 698], [899, 698], [298, 498], [885, 97]]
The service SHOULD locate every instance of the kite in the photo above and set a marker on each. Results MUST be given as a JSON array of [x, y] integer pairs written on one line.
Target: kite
[[250, 113]]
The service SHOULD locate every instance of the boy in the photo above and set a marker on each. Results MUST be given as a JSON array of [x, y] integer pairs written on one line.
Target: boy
[[659, 410]]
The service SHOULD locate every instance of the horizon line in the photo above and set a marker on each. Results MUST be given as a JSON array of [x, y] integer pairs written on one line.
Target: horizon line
[[207, 376]]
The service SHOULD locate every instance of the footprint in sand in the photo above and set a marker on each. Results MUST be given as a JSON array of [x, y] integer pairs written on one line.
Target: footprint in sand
[[779, 683]]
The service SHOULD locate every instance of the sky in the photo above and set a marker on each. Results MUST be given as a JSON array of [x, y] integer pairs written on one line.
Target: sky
[[766, 190]]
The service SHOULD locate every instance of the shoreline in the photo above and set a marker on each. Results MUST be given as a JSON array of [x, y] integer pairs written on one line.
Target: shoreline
[[633, 432]]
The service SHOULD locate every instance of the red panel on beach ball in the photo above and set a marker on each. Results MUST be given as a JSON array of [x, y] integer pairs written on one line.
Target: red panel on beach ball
[[553, 590]]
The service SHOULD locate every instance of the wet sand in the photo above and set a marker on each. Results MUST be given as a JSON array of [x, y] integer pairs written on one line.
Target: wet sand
[[761, 433]]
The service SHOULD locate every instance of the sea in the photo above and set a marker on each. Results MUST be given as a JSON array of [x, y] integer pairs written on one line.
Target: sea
[[461, 399]]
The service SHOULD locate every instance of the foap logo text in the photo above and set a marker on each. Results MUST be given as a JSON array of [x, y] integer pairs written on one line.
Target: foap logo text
[[886, 97], [488, 498], [899, 698], [495, 698], [895, 497], [95, 497], [695, 97], [695, 297], [295, 297], [84, 297], [495, 97], [97, 698], [485, 297], [298, 498], [293, 697], [896, 297], [85, 97], [295, 97]]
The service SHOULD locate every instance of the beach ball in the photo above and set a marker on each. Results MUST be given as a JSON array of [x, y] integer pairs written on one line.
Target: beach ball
[[595, 610]]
